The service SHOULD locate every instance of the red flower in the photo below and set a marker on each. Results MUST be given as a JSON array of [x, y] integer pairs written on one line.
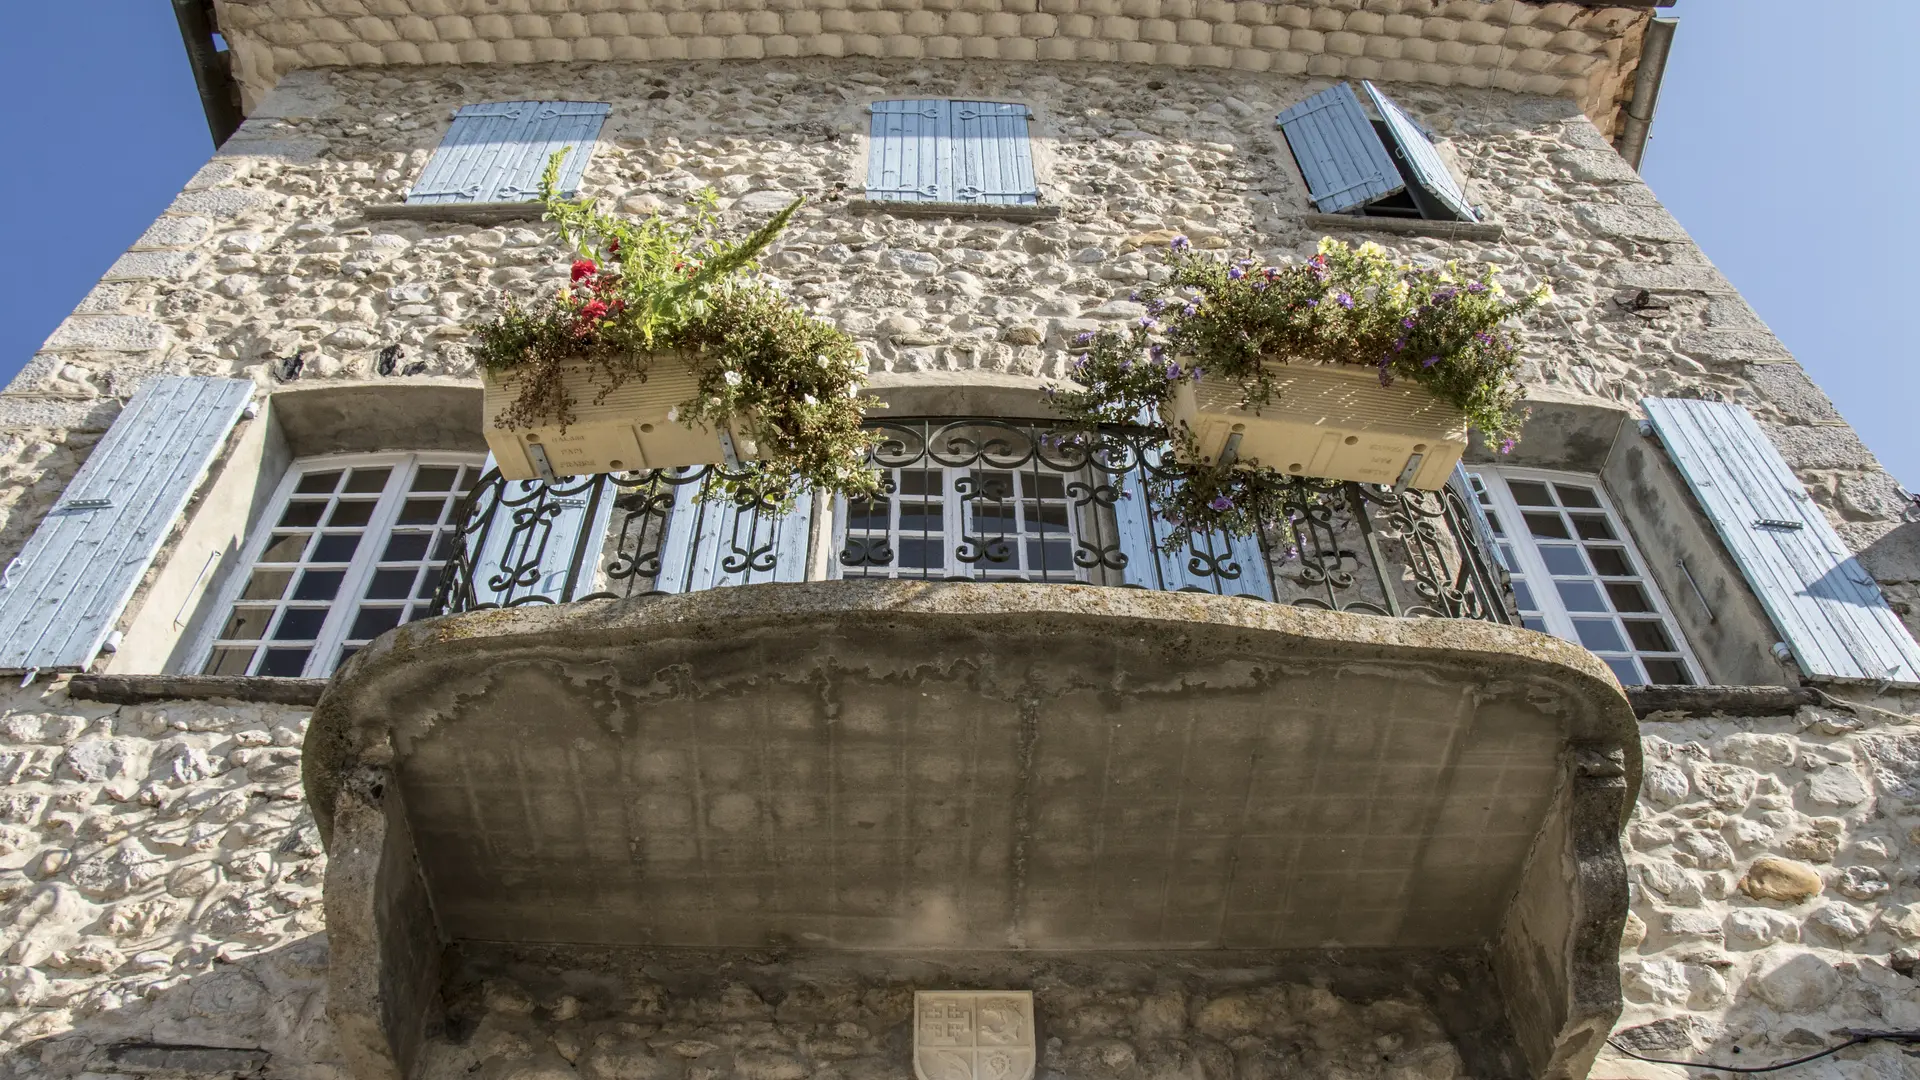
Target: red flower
[[584, 268], [613, 247], [593, 311]]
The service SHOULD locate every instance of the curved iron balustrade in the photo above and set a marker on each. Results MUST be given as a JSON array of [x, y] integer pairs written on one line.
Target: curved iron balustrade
[[974, 499]]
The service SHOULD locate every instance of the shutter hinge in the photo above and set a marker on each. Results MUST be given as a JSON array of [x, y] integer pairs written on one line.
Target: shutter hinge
[[85, 504], [1778, 523]]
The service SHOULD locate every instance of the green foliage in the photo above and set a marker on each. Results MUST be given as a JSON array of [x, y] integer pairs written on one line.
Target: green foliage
[[640, 288], [1447, 329]]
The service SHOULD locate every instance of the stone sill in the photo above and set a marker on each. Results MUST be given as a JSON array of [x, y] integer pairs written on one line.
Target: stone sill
[[140, 689], [488, 213], [1005, 211], [1444, 230], [1689, 701]]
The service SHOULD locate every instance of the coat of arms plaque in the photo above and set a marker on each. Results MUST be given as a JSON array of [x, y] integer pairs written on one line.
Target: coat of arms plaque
[[973, 1035]]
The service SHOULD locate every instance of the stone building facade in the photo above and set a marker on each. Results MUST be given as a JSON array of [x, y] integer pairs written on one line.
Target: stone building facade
[[168, 903]]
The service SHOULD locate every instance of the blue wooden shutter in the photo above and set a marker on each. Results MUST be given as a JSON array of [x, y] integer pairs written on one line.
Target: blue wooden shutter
[[992, 153], [1828, 609], [1418, 152], [544, 540], [497, 152], [61, 597], [716, 543], [1240, 560], [1340, 154], [910, 151]]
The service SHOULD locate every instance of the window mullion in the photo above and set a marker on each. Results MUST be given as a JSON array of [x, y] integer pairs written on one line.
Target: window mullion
[[956, 521], [373, 539]]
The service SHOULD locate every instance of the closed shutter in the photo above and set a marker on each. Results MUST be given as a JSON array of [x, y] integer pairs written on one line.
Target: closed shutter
[[1420, 156], [1341, 156], [1829, 610], [992, 153], [716, 543], [543, 540], [61, 597], [498, 151], [910, 151], [1234, 566]]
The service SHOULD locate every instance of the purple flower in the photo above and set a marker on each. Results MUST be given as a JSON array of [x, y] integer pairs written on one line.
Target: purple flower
[[1483, 338], [1181, 243], [1190, 310], [1194, 374], [1158, 352], [1084, 338], [1126, 366], [1134, 295], [1082, 360], [1147, 323], [1220, 502], [1399, 343], [1429, 361], [1476, 287], [1313, 303], [1346, 300], [1447, 293], [1506, 445], [1173, 372], [1407, 322], [1236, 273]]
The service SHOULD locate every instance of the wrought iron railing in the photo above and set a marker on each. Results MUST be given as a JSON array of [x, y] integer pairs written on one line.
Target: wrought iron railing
[[974, 499]]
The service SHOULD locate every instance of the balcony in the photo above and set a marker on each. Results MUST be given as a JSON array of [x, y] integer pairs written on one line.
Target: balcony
[[979, 715]]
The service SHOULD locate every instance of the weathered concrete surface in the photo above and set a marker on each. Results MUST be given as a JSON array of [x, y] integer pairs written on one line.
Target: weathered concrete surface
[[894, 765]]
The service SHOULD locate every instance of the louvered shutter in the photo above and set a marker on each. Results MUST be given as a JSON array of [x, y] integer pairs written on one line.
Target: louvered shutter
[[61, 597], [1829, 610], [1418, 152], [910, 151], [993, 153], [497, 152], [717, 543], [543, 540], [1340, 154], [1239, 562]]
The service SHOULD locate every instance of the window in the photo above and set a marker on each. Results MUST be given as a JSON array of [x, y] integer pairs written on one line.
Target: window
[[979, 523], [497, 152], [1356, 164], [1576, 574], [351, 549], [940, 151]]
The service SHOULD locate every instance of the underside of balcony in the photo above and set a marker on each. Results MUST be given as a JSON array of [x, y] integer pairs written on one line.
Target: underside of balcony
[[920, 767]]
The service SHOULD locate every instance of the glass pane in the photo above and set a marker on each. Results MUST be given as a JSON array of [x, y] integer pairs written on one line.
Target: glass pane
[[421, 511], [1593, 527], [335, 547], [1624, 670], [1649, 635], [449, 542], [920, 482], [994, 518], [390, 584], [406, 547], [919, 517], [285, 663], [1046, 485], [1600, 635], [921, 553], [267, 585], [372, 622], [867, 514], [435, 478], [1570, 495], [302, 515], [319, 483], [1610, 562], [368, 481], [318, 584], [1562, 560], [1046, 517], [228, 662], [247, 624], [1523, 596], [1628, 596], [1528, 493], [1493, 522], [1533, 623], [285, 547], [1667, 672], [1052, 556], [300, 624], [351, 515], [1580, 596], [1547, 526], [429, 583]]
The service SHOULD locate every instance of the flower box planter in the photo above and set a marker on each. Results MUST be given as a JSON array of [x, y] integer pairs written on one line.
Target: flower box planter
[[628, 430], [1337, 423]]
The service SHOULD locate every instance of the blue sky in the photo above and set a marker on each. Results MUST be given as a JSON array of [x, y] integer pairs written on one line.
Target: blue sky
[[1781, 143]]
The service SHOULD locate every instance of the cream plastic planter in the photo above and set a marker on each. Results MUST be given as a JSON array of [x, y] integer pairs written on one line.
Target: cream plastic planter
[[1337, 423], [628, 430]]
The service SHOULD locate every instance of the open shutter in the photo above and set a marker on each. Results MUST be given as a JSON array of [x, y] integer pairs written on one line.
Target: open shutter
[[497, 152], [544, 540], [1239, 561], [1828, 609], [910, 151], [61, 597], [992, 153], [1340, 154], [717, 543], [1417, 151]]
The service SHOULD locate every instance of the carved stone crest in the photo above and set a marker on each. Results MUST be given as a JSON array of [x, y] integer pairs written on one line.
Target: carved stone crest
[[973, 1035]]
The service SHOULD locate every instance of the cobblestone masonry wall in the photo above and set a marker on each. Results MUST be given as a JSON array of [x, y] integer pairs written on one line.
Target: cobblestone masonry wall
[[158, 875]]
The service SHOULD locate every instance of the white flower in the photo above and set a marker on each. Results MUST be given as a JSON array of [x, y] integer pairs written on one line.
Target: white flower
[[822, 360], [1544, 293], [673, 414], [853, 389], [808, 399], [732, 377]]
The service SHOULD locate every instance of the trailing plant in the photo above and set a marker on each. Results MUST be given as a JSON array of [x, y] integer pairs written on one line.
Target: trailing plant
[[642, 288], [1448, 329]]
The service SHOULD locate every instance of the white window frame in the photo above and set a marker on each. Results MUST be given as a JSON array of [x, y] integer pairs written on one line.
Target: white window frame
[[956, 521], [348, 598], [1539, 580]]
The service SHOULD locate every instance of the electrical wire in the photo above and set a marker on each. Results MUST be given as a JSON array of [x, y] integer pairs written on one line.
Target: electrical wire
[[1857, 1037], [1856, 707]]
